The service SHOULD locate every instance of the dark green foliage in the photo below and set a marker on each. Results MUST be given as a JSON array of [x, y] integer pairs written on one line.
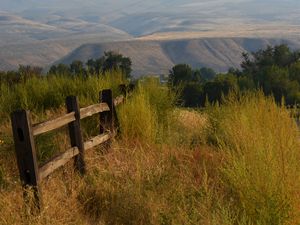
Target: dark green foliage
[[60, 69], [295, 71], [95, 66], [77, 68], [207, 73], [27, 72], [191, 82], [10, 77], [180, 74], [245, 83], [114, 61], [21, 75], [191, 94], [274, 70], [221, 85], [108, 62]]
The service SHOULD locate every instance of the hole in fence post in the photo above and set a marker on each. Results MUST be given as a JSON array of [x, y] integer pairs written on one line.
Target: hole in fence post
[[20, 134], [27, 160]]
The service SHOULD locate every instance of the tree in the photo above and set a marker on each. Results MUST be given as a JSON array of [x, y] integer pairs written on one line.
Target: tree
[[207, 73], [26, 72], [77, 68], [191, 95], [115, 61], [221, 85], [294, 71], [59, 70], [180, 74], [282, 55], [91, 64], [275, 70]]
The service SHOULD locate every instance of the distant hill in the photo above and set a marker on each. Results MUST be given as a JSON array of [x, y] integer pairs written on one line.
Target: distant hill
[[157, 57], [41, 32], [25, 41]]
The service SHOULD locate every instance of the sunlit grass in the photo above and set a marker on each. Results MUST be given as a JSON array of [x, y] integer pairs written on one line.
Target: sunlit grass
[[237, 163], [261, 172]]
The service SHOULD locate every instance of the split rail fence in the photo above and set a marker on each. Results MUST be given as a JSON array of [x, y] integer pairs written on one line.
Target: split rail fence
[[31, 173]]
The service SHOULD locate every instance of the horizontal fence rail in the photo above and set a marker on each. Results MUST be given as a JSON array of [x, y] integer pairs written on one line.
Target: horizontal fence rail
[[53, 124], [31, 174]]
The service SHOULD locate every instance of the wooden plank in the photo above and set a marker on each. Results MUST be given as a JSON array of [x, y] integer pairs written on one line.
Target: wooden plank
[[93, 109], [75, 133], [26, 158], [65, 157], [119, 100], [97, 141], [57, 162], [53, 124]]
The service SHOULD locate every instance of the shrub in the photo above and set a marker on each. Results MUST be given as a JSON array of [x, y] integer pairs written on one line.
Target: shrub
[[146, 114], [261, 172]]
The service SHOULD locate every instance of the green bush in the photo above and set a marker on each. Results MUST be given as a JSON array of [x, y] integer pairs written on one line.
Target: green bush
[[146, 114]]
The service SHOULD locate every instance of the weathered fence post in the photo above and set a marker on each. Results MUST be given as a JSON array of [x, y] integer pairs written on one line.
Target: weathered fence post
[[26, 159], [106, 118], [75, 133]]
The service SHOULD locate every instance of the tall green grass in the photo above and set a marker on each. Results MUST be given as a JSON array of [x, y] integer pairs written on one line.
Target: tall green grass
[[49, 92], [45, 98], [147, 113], [231, 164], [261, 173]]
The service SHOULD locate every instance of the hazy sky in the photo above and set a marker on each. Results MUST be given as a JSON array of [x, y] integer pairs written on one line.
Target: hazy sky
[[106, 11], [18, 5]]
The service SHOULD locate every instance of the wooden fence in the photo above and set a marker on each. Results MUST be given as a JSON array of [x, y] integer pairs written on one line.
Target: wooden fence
[[31, 173]]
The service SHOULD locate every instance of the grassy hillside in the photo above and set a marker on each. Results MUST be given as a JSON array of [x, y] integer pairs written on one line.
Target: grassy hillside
[[157, 57], [27, 41], [231, 164]]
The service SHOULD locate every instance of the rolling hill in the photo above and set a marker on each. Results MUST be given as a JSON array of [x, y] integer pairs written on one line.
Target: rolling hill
[[41, 32], [157, 57], [25, 41]]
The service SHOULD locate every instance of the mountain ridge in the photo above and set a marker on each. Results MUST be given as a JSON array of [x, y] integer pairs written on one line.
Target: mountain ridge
[[157, 57]]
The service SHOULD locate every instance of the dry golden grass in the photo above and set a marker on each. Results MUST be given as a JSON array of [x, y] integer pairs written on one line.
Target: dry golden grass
[[131, 184], [235, 164]]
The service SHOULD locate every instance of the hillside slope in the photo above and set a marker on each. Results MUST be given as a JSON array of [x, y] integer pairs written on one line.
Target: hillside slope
[[157, 57], [39, 32], [25, 41]]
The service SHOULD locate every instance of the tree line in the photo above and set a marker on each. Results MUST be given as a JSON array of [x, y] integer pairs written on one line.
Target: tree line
[[93, 67], [274, 70], [109, 61]]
